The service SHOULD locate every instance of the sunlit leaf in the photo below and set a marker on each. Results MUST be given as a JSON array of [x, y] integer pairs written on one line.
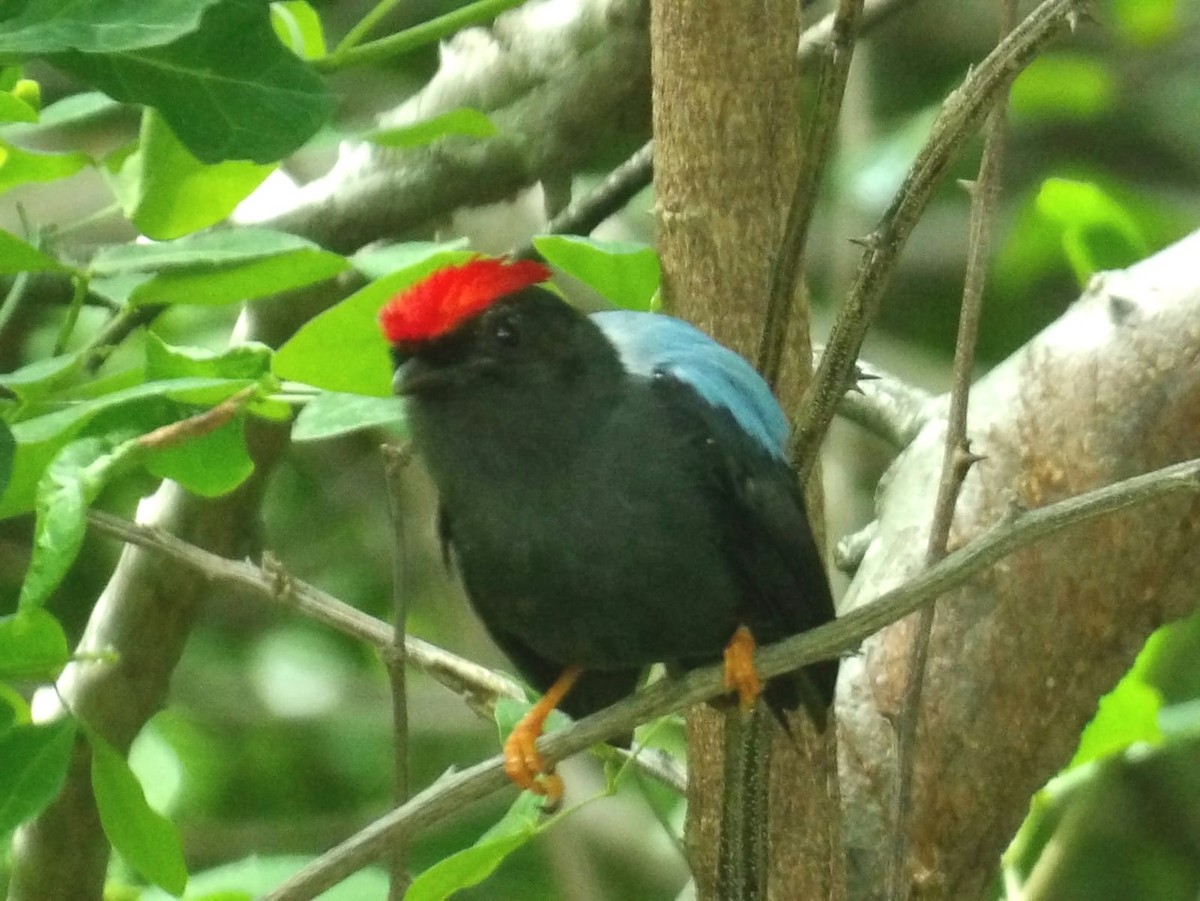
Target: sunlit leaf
[[32, 646], [464, 122], [166, 192], [474, 864], [71, 482], [625, 273], [330, 414], [144, 838], [342, 348], [299, 27], [19, 167]]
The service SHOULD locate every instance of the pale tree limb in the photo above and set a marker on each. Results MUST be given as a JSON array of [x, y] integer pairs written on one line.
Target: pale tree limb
[[1020, 529], [957, 459], [1019, 657]]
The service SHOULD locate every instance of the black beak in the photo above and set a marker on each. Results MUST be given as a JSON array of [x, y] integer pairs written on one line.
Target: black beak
[[414, 377]]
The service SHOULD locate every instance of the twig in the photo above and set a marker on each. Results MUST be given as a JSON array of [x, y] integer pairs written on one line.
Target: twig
[[411, 39], [451, 794], [785, 269], [960, 116], [395, 461], [478, 685], [201, 424], [813, 40], [957, 459], [582, 216]]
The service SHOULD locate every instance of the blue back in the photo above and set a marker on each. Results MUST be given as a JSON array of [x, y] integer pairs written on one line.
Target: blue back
[[651, 342]]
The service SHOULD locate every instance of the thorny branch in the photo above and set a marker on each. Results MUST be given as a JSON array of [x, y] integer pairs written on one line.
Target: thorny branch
[[452, 792], [957, 122], [957, 459]]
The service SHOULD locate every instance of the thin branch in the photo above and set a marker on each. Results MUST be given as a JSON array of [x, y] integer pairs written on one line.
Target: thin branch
[[395, 461], [451, 794], [957, 459], [789, 256], [582, 216], [960, 116], [478, 685], [414, 38], [875, 12]]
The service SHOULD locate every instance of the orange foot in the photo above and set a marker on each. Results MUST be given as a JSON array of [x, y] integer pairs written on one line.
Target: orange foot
[[740, 675], [522, 762]]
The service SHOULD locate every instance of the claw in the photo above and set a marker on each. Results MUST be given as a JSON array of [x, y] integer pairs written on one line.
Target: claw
[[740, 675], [522, 762]]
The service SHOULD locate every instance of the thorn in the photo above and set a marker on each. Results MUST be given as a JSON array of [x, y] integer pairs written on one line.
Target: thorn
[[864, 241], [1121, 308], [969, 185], [964, 458]]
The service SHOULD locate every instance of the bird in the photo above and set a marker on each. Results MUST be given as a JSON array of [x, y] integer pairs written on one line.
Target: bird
[[613, 492]]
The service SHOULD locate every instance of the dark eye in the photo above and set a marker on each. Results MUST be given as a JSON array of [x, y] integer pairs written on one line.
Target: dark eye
[[505, 331]]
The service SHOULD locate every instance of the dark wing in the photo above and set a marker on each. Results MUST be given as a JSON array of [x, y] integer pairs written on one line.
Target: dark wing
[[768, 543]]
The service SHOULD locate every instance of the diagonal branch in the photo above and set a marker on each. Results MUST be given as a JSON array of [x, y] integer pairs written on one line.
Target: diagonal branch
[[447, 796]]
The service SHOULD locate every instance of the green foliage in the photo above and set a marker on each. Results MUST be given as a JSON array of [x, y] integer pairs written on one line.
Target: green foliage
[[624, 273], [55, 26], [33, 765], [341, 349], [462, 122], [472, 865], [144, 838], [166, 192], [32, 646]]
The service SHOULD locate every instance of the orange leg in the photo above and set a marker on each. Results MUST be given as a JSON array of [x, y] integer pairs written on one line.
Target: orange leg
[[522, 762], [740, 675]]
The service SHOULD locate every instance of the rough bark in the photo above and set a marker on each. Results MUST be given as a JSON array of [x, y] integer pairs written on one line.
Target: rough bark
[[726, 150], [1019, 659]]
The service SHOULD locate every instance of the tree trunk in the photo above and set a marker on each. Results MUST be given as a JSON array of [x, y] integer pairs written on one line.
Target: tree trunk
[[726, 112]]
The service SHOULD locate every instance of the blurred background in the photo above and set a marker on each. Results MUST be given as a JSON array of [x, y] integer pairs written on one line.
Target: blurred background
[[278, 740]]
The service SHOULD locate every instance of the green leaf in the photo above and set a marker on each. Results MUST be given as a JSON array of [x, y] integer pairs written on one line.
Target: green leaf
[[32, 646], [330, 414], [221, 247], [230, 91], [166, 192], [19, 167], [144, 838], [245, 281], [1126, 715], [142, 407], [473, 865], [33, 767], [464, 122], [71, 482], [1064, 85], [14, 109], [70, 110], [36, 380], [18, 256], [625, 273], [51, 26], [342, 349], [8, 448], [243, 361], [209, 465], [376, 261], [299, 27], [1097, 232]]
